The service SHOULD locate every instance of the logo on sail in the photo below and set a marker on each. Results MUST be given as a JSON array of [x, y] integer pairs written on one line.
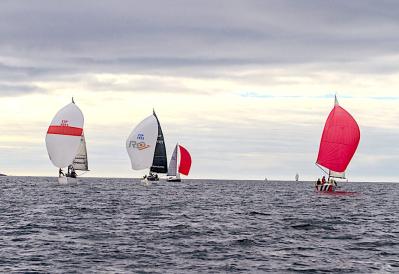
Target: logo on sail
[[64, 123], [140, 136], [138, 145]]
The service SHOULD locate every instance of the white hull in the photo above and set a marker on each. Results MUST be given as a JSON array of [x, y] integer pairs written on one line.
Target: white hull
[[63, 180]]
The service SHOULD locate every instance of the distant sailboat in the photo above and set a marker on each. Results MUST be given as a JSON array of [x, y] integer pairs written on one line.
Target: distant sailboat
[[65, 143], [297, 177], [176, 167], [339, 141], [146, 148]]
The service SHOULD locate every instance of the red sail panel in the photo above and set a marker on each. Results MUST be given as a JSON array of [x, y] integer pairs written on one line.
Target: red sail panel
[[185, 161], [341, 136], [65, 130]]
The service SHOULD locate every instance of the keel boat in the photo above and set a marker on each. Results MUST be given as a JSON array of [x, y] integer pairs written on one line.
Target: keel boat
[[66, 144], [339, 141], [180, 163], [146, 148]]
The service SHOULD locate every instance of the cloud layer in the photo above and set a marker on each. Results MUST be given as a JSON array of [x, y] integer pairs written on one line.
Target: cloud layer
[[246, 85]]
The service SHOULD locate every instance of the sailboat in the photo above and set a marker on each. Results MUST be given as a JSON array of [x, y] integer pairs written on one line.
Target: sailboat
[[339, 141], [184, 166], [66, 144], [297, 177], [146, 148]]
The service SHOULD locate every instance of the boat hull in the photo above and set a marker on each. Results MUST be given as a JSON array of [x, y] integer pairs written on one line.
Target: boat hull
[[63, 180], [173, 180], [326, 188]]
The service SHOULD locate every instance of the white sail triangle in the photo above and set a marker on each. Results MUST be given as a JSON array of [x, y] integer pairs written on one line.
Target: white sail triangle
[[80, 162], [172, 170]]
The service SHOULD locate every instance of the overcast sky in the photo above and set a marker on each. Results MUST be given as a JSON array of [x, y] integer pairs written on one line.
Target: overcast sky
[[245, 86]]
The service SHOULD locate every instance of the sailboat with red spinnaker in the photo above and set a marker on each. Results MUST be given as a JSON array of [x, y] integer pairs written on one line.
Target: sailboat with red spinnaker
[[339, 141]]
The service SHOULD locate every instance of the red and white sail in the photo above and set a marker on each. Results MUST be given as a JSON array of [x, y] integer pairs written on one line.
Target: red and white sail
[[339, 141], [182, 156], [63, 137]]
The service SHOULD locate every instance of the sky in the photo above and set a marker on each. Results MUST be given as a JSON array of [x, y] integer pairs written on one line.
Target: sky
[[245, 86]]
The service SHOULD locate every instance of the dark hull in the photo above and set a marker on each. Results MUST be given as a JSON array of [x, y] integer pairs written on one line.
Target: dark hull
[[174, 180]]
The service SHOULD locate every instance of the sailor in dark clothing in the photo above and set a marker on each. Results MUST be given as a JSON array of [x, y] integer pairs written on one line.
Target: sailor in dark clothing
[[60, 173], [71, 172]]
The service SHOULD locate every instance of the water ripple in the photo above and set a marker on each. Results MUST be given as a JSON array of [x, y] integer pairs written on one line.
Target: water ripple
[[199, 226]]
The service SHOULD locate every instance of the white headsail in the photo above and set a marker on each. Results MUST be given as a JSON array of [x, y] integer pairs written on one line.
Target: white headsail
[[64, 135], [80, 162], [172, 170], [140, 144]]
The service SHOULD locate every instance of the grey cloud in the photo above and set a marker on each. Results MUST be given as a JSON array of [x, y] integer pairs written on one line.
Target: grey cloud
[[134, 36], [10, 90]]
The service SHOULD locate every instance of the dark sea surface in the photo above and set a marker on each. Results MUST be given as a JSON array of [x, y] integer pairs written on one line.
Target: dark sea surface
[[197, 226]]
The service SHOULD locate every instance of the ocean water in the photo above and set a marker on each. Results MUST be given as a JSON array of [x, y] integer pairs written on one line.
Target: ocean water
[[198, 226]]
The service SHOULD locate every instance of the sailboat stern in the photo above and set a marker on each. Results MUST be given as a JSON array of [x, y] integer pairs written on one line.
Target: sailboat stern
[[326, 188]]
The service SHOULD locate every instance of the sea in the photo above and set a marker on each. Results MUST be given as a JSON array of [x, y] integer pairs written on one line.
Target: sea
[[106, 225]]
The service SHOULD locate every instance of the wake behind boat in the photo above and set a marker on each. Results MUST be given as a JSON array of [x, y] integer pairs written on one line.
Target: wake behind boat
[[339, 141], [65, 143], [146, 148]]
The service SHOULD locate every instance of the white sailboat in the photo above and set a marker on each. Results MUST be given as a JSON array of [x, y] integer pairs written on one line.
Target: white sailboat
[[65, 143], [146, 148], [182, 156]]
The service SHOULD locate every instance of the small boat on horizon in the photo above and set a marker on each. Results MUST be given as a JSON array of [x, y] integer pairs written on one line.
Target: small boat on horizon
[[146, 148], [183, 167], [338, 144], [66, 144], [297, 177]]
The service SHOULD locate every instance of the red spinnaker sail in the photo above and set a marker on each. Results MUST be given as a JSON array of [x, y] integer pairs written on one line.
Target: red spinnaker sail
[[341, 136], [185, 161]]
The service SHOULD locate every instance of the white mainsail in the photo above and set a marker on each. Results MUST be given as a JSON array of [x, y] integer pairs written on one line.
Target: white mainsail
[[172, 170], [80, 162], [64, 135], [140, 144]]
